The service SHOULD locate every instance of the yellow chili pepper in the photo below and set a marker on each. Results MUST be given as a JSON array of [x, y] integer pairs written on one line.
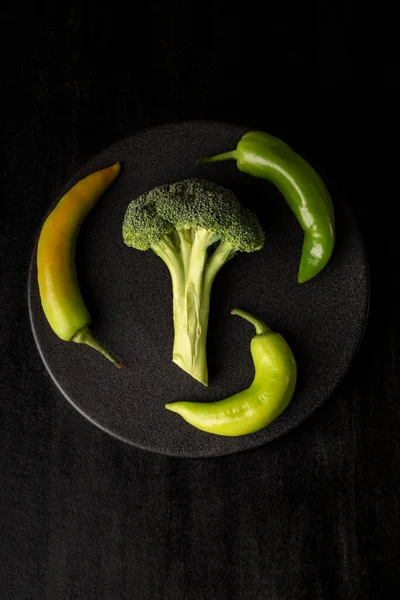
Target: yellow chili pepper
[[60, 295]]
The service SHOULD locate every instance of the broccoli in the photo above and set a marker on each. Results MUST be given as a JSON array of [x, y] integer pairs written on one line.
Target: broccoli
[[195, 226]]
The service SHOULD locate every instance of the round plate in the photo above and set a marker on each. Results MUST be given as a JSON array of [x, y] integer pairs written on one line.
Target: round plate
[[128, 293]]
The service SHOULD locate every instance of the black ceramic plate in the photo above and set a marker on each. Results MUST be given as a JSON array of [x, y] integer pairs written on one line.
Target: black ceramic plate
[[129, 295]]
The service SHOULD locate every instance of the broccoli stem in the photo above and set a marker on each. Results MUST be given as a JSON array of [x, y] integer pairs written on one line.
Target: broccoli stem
[[191, 305], [190, 313], [192, 273]]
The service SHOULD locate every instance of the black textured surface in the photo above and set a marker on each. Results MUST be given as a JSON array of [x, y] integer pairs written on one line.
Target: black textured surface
[[129, 295], [313, 515]]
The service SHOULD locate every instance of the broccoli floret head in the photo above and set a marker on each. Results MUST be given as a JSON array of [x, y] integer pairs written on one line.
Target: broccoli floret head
[[142, 226], [188, 204]]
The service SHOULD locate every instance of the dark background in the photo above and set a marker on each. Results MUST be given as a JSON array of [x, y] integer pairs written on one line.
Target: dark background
[[314, 515]]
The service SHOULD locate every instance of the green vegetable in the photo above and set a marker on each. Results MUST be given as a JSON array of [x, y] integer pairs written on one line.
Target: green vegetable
[[195, 226], [265, 156], [260, 404], [60, 295]]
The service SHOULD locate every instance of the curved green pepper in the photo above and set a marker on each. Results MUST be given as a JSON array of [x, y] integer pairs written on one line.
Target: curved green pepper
[[267, 397], [265, 156], [60, 295]]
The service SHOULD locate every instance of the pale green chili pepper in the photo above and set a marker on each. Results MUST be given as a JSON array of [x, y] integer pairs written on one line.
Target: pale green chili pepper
[[256, 407]]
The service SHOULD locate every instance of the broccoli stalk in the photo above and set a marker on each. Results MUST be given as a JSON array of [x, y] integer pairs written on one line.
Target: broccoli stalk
[[195, 227], [192, 274]]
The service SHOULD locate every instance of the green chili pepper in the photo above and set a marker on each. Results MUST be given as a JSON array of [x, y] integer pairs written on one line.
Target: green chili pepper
[[61, 299], [267, 157], [260, 404]]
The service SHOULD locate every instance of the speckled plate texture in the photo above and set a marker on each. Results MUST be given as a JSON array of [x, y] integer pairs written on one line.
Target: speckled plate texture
[[128, 293]]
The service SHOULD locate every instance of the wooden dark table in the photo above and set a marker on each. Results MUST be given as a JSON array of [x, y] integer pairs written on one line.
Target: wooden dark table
[[314, 515]]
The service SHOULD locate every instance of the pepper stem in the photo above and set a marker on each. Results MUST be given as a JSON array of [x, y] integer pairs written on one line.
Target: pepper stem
[[84, 336], [218, 157], [260, 326]]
